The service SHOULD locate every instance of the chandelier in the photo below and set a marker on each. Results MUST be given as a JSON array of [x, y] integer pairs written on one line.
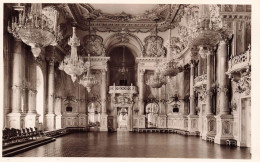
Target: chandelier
[[73, 64], [156, 80], [169, 67], [123, 70], [88, 80], [35, 26], [205, 27]]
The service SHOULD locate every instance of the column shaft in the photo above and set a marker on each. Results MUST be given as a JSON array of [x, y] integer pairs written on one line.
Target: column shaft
[[17, 76], [141, 92], [222, 51], [104, 92], [192, 103], [50, 109], [209, 83]]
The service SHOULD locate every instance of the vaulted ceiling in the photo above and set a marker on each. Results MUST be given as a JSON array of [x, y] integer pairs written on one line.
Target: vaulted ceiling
[[114, 17]]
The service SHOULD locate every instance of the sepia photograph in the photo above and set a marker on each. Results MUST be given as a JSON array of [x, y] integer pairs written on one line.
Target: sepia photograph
[[126, 80]]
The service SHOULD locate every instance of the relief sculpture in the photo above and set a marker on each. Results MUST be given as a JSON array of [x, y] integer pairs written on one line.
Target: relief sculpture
[[154, 46]]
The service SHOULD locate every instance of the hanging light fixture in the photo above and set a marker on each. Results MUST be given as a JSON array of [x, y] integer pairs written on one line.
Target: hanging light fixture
[[35, 26], [123, 70], [156, 80], [204, 28], [73, 64], [169, 67], [88, 80]]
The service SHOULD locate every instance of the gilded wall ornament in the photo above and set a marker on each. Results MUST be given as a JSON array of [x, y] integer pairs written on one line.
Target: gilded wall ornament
[[154, 46], [93, 45]]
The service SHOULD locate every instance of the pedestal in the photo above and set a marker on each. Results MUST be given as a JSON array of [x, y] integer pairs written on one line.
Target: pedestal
[[193, 122], [31, 120], [58, 121], [162, 121], [50, 122], [209, 127], [16, 120], [103, 123], [224, 128]]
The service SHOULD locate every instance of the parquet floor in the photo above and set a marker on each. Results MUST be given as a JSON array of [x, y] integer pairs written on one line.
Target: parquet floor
[[127, 144]]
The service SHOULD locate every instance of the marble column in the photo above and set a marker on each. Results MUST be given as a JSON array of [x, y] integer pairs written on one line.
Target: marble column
[[50, 116], [209, 85], [223, 52], [199, 66], [16, 117], [192, 117], [103, 120], [141, 116], [141, 92], [192, 98], [32, 118], [224, 120], [209, 119]]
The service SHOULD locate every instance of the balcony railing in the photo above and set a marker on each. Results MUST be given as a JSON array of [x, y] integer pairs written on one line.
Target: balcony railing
[[239, 62], [122, 89], [200, 80]]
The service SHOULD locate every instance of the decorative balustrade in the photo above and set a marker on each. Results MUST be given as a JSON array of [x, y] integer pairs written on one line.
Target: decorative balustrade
[[200, 80], [239, 62], [122, 89]]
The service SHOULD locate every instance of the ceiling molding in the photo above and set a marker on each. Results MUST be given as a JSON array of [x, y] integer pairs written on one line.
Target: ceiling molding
[[105, 22]]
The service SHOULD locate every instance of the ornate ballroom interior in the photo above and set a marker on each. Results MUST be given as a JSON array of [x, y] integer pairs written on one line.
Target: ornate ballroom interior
[[141, 68]]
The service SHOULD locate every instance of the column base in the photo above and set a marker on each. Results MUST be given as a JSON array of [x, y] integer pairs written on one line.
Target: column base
[[50, 122], [209, 129], [32, 120], [103, 122], [162, 121], [193, 124], [58, 121], [139, 121], [224, 128], [16, 120]]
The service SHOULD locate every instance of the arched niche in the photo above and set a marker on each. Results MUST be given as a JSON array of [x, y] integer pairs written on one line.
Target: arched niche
[[152, 112], [115, 64], [94, 110]]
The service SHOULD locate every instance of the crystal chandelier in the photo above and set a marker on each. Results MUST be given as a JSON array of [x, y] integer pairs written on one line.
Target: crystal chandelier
[[205, 27], [88, 80], [156, 80], [73, 64], [169, 67], [35, 26]]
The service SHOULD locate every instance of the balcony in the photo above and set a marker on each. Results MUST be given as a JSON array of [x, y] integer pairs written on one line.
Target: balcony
[[200, 80], [122, 89], [240, 62]]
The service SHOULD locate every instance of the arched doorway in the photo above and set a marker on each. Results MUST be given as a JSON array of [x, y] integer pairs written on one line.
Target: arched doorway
[[122, 57], [40, 96]]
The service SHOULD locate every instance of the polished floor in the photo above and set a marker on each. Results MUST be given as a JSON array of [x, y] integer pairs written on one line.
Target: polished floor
[[127, 144]]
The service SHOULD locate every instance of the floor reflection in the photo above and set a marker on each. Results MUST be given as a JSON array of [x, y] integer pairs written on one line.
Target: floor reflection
[[127, 144]]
